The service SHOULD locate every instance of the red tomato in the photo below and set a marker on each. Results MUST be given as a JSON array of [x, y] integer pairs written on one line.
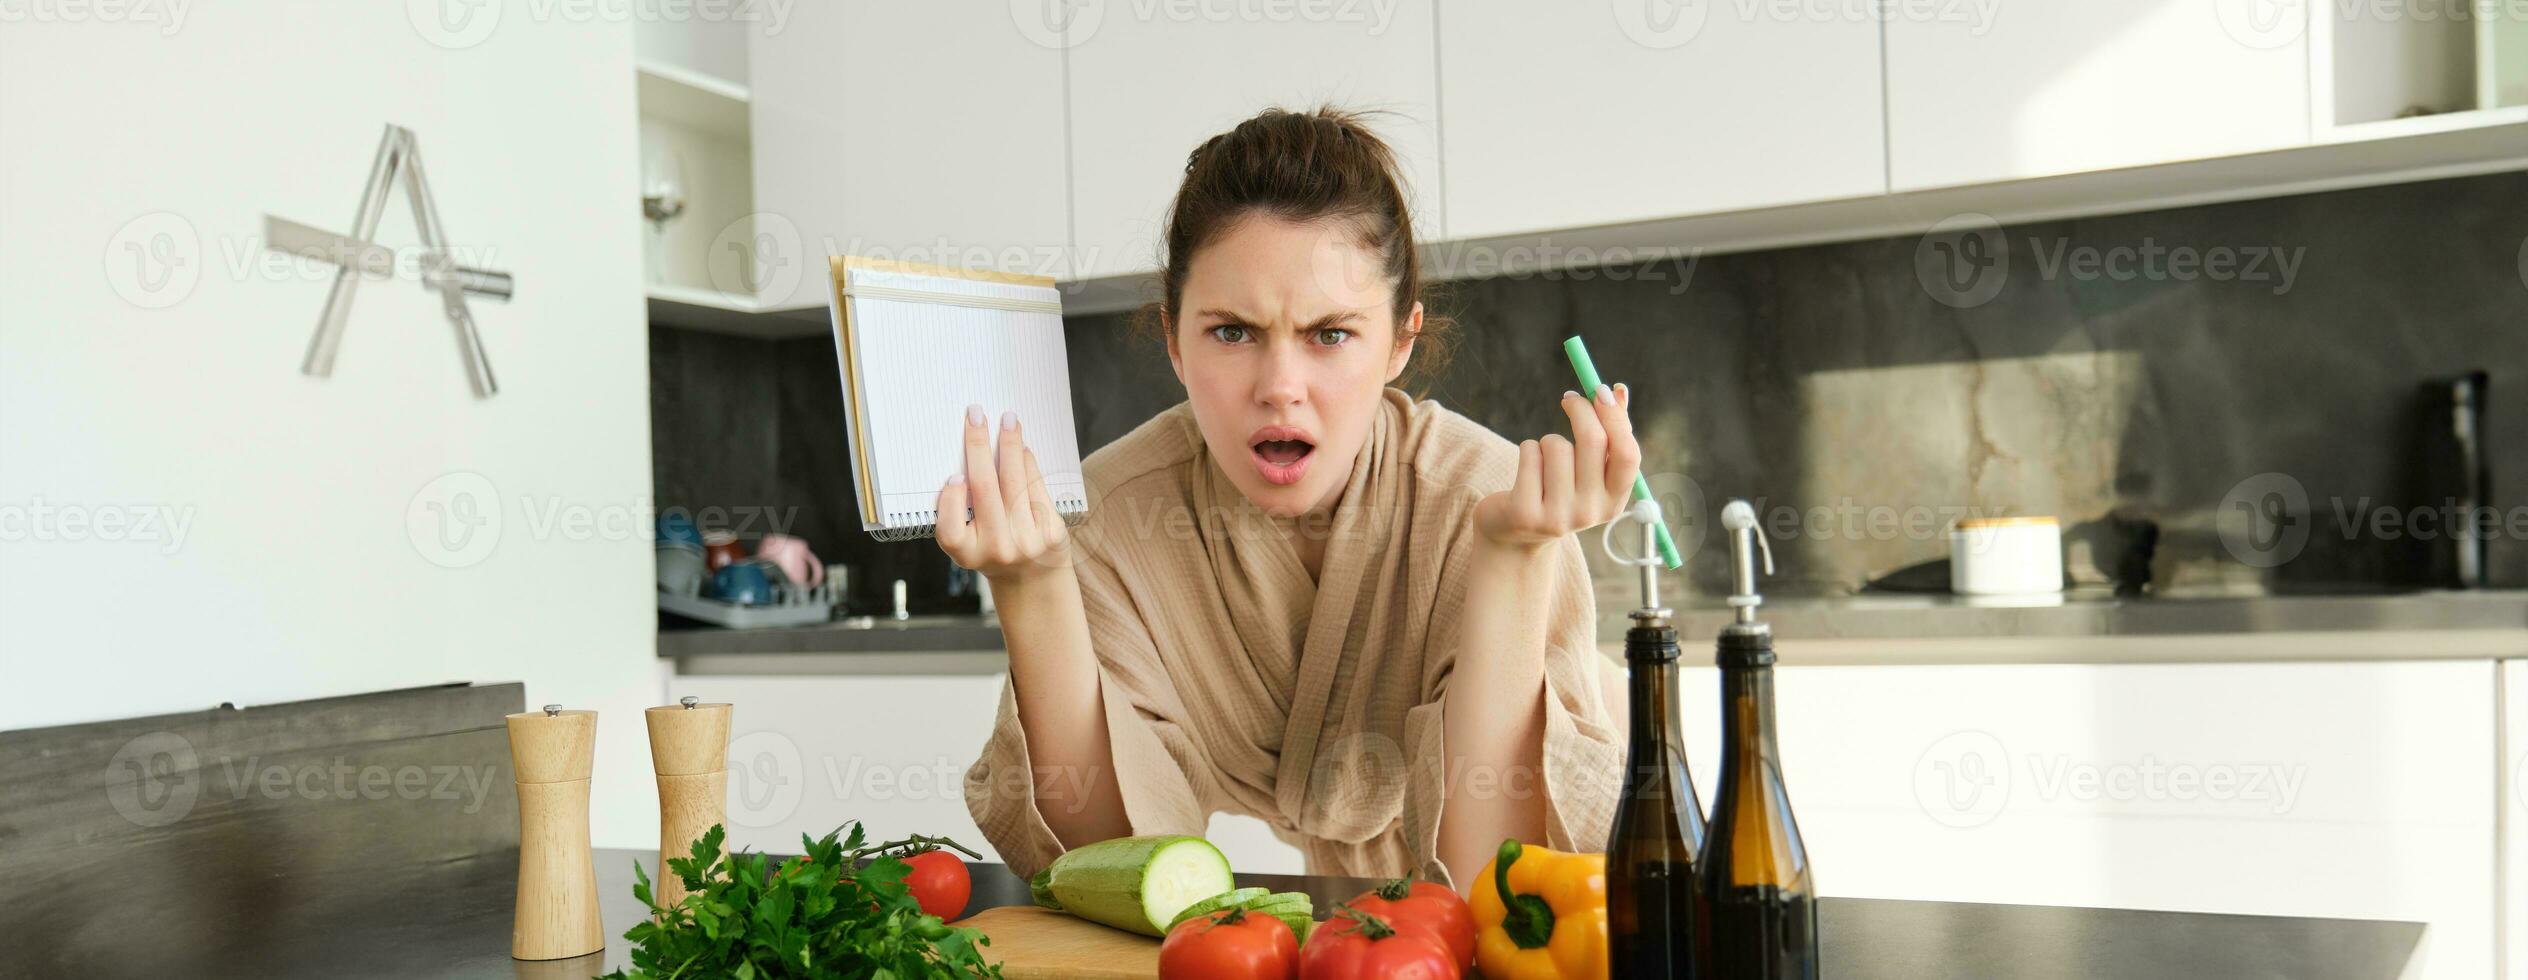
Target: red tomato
[[1356, 945], [1410, 905], [1229, 945], [939, 881]]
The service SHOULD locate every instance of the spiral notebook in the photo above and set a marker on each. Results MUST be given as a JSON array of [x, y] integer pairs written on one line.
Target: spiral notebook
[[916, 344]]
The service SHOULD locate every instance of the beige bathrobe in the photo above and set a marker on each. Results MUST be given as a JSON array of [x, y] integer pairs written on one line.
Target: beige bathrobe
[[1232, 682]]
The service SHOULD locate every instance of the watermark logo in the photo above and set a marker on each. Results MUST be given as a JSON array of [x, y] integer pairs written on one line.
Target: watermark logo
[[1057, 23], [454, 24], [756, 255], [153, 780], [455, 520], [2155, 262], [1964, 260], [2523, 263], [1552, 260], [1660, 24], [167, 14], [1963, 780], [2264, 520], [43, 521], [766, 779], [154, 261], [2263, 24], [1970, 778]]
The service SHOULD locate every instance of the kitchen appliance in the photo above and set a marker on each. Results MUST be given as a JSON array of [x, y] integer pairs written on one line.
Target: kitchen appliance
[[551, 754], [2006, 556], [689, 749], [2457, 478]]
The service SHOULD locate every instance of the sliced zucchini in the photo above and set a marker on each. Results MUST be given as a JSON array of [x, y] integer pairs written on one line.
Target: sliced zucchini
[[1134, 883]]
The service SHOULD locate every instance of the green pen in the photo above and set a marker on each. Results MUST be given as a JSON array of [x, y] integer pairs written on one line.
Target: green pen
[[1589, 385]]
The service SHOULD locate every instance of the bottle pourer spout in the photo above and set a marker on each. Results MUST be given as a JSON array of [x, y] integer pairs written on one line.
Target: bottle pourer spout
[[1645, 512], [1745, 544]]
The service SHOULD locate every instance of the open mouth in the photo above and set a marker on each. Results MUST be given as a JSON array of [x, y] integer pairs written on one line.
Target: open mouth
[[1282, 453]]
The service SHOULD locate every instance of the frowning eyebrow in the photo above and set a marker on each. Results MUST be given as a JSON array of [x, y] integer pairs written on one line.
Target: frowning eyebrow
[[1326, 322]]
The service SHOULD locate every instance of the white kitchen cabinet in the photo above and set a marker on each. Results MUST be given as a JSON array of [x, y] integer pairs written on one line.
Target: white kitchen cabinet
[[1150, 81], [2514, 784], [925, 132], [2038, 87], [807, 753], [2351, 790], [1645, 117]]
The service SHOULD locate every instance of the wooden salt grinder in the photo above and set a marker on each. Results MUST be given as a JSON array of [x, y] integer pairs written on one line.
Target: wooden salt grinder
[[689, 746], [553, 752]]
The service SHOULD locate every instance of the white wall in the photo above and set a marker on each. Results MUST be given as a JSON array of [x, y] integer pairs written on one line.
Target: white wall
[[290, 570]]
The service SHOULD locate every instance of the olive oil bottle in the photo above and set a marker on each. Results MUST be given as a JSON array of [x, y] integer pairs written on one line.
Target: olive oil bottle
[[1650, 855], [1758, 912]]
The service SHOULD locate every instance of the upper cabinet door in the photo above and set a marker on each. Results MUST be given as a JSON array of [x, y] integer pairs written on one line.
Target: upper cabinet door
[[1564, 115], [1151, 79], [926, 132], [2032, 88]]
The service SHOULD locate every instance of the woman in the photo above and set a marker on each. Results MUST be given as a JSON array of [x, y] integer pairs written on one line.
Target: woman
[[1300, 595]]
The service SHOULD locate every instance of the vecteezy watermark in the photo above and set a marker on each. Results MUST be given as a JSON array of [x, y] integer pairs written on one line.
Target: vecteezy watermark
[[458, 519], [1070, 23], [2263, 24], [2154, 262], [458, 24], [166, 15], [763, 254], [1553, 260], [766, 779], [39, 520], [2266, 520], [1663, 24], [1970, 778], [455, 520], [1963, 780], [1964, 261], [154, 261], [2269, 24], [156, 779]]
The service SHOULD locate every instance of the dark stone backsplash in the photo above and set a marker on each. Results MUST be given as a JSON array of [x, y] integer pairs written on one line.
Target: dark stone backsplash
[[1836, 388]]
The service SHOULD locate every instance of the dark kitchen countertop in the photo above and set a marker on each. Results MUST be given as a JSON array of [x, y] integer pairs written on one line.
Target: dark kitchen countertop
[[452, 919], [2076, 627]]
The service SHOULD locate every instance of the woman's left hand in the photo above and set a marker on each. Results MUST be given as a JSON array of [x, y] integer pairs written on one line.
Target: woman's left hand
[[1565, 485]]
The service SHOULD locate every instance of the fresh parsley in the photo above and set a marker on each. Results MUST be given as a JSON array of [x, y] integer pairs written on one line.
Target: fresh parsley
[[823, 915]]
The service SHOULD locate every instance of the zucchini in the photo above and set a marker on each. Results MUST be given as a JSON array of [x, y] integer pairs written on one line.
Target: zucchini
[[1295, 909], [1233, 898], [1136, 884]]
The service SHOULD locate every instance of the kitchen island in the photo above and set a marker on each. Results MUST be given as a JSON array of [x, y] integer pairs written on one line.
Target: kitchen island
[[452, 919]]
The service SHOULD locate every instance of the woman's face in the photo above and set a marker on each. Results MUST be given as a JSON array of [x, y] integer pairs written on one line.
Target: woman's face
[[1284, 337]]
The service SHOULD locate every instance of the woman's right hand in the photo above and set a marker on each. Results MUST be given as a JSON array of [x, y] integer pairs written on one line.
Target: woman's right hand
[[1014, 532]]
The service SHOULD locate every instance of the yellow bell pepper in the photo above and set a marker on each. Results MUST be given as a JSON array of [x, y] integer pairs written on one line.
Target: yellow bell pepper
[[1540, 915]]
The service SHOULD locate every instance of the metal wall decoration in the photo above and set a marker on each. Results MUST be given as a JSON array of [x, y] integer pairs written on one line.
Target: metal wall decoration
[[355, 256]]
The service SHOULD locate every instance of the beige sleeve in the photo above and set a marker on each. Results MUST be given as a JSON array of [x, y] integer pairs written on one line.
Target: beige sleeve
[[1583, 752], [1152, 754]]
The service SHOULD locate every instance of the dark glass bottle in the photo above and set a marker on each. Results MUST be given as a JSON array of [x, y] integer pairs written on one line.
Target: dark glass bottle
[[1650, 856], [1759, 911]]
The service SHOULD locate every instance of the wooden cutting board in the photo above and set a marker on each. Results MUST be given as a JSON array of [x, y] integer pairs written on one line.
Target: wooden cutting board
[[1032, 943]]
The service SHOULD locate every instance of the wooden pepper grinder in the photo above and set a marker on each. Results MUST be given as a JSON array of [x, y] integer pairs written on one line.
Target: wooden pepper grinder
[[689, 746], [553, 752]]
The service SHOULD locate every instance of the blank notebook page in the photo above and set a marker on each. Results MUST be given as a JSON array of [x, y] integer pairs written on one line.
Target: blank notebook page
[[913, 358]]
